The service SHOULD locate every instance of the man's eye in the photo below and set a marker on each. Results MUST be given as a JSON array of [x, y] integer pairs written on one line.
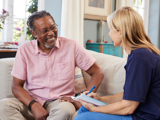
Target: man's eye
[[52, 28], [45, 31]]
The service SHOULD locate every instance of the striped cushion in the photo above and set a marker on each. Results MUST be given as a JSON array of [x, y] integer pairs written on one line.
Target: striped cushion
[[79, 81]]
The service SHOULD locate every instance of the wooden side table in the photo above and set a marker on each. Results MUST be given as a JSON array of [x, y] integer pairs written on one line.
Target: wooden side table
[[106, 48], [6, 53]]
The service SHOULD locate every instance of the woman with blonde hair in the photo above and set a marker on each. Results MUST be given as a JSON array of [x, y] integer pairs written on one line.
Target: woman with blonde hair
[[140, 99]]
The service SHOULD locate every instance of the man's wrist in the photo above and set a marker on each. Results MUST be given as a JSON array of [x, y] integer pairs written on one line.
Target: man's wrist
[[30, 104]]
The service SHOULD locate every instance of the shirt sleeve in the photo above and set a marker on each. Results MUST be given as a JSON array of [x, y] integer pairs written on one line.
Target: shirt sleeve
[[83, 59], [138, 79], [19, 67]]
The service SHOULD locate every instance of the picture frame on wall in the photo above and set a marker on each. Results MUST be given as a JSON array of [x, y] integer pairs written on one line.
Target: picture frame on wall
[[97, 9]]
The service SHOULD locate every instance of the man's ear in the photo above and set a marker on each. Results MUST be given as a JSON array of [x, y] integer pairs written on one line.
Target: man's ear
[[34, 34]]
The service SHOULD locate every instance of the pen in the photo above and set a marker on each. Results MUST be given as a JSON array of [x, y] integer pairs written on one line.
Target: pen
[[91, 90]]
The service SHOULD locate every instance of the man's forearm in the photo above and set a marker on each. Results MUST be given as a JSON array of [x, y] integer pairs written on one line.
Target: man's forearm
[[38, 111], [22, 95], [96, 80]]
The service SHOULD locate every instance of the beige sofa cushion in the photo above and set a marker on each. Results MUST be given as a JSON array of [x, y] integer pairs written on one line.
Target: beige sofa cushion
[[114, 73], [6, 77]]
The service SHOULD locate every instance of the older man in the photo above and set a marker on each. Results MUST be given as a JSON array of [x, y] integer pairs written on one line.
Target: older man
[[47, 66]]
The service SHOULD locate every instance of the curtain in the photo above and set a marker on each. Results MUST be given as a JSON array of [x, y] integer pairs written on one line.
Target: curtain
[[41, 5], [120, 4], [72, 19]]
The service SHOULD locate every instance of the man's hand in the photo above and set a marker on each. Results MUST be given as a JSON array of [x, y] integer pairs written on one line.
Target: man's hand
[[39, 112], [66, 99], [76, 104]]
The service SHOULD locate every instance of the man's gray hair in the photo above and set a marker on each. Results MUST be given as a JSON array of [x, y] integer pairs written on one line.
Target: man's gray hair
[[37, 15]]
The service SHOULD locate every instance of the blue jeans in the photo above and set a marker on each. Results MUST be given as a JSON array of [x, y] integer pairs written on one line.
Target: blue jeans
[[84, 114]]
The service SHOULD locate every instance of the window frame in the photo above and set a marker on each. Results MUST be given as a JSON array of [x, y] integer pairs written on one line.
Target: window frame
[[7, 32]]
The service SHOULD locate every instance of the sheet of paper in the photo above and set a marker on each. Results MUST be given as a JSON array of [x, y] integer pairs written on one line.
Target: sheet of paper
[[90, 100]]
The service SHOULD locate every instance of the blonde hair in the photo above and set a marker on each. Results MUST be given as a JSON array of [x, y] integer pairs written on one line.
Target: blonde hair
[[130, 23]]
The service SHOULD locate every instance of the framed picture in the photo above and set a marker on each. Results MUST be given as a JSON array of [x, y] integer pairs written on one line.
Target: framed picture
[[97, 9]]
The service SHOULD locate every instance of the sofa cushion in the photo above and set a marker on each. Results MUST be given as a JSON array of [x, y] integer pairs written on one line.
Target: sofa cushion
[[114, 73], [6, 77]]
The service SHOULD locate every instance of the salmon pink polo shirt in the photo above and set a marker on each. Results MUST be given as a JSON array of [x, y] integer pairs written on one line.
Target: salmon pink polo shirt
[[50, 76]]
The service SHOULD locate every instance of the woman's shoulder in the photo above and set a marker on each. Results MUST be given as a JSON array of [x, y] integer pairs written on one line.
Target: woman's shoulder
[[142, 52], [145, 55]]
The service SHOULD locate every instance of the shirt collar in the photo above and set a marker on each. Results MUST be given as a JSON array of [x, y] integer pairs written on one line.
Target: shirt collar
[[37, 49]]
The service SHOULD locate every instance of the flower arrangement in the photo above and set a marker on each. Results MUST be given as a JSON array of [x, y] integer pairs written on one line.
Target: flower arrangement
[[3, 16], [17, 28]]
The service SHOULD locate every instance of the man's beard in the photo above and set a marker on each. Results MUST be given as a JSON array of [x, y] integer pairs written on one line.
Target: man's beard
[[49, 46]]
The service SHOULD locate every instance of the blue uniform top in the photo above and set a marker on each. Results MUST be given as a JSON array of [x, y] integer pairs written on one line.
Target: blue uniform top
[[143, 83]]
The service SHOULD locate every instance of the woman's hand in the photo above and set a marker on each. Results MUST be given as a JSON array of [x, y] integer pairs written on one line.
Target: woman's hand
[[87, 105], [93, 95]]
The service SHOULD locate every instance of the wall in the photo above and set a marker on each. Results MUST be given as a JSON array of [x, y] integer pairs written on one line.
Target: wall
[[154, 22], [91, 29], [54, 8], [90, 26]]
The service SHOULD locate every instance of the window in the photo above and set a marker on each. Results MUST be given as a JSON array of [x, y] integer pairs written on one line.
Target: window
[[20, 16], [139, 6], [1, 7], [16, 22], [142, 6]]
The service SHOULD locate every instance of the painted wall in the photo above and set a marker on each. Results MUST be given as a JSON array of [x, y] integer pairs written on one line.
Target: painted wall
[[54, 8], [90, 26], [154, 22], [91, 31]]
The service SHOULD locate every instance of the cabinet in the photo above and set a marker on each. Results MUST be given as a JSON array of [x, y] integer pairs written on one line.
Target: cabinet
[[106, 48], [7, 53]]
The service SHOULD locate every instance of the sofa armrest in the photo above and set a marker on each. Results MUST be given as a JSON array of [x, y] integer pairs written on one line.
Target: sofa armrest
[[6, 77]]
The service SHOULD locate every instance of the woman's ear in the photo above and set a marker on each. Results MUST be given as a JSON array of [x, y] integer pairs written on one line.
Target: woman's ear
[[119, 31]]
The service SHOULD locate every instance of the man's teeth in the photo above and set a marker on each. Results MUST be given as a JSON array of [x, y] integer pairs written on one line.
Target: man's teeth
[[51, 39]]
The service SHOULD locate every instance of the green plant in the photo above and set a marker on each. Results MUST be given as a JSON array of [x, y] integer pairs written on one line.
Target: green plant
[[33, 5]]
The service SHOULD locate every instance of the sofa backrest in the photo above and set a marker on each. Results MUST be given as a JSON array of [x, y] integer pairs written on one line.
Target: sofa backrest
[[114, 73]]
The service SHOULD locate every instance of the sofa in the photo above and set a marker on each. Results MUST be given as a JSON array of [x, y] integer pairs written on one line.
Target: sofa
[[112, 67]]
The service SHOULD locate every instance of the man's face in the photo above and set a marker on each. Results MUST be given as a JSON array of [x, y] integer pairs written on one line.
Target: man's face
[[46, 32]]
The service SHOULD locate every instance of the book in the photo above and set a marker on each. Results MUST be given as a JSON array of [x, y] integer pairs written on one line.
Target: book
[[90, 100]]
